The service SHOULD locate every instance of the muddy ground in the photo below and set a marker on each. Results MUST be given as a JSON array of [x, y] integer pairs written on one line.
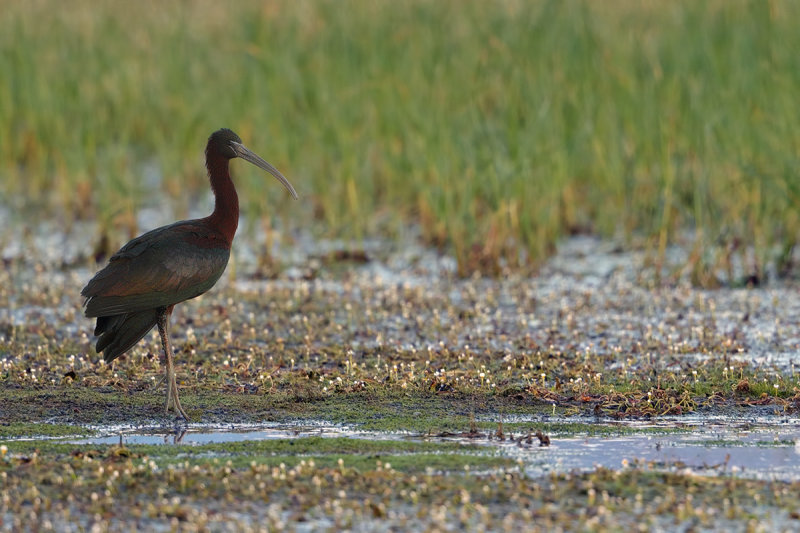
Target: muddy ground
[[334, 386]]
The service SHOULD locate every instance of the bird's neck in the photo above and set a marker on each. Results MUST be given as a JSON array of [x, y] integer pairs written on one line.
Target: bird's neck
[[225, 217]]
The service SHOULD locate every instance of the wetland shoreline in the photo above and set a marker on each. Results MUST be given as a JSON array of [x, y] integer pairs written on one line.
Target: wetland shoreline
[[445, 378]]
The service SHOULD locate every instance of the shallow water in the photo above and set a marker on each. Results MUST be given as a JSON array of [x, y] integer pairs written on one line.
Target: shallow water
[[719, 446], [199, 434], [759, 454]]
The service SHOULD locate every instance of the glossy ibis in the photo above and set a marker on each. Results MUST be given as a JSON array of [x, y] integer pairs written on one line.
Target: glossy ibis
[[143, 281]]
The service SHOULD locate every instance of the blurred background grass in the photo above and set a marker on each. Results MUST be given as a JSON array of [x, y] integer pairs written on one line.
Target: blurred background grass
[[494, 127]]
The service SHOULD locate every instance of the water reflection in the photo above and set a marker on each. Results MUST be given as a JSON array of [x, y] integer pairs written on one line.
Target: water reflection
[[732, 448]]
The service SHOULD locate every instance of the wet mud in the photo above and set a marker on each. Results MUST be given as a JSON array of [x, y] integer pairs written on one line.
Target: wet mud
[[592, 367]]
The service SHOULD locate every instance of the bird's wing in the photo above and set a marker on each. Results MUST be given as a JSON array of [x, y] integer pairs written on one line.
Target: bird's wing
[[160, 268]]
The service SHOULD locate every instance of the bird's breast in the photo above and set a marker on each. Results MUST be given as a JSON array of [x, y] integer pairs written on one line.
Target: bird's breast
[[206, 240]]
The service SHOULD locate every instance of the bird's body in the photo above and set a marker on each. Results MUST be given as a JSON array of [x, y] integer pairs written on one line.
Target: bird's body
[[147, 277], [163, 267]]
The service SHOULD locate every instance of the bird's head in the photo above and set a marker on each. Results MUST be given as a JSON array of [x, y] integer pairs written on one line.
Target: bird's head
[[221, 141], [229, 145]]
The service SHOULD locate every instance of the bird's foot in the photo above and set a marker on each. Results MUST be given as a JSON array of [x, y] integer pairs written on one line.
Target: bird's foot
[[180, 415], [179, 410]]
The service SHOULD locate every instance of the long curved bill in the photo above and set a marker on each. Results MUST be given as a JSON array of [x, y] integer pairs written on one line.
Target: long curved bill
[[245, 153]]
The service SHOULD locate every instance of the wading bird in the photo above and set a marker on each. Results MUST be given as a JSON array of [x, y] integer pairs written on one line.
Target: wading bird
[[143, 281]]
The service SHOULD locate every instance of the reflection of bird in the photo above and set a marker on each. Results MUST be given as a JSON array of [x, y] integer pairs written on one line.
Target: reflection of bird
[[143, 281]]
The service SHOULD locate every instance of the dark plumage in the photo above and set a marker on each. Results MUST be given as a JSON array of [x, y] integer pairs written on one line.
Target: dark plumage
[[143, 281]]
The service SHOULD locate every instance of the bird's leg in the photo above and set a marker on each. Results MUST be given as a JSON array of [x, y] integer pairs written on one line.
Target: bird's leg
[[164, 314], [175, 399], [162, 321]]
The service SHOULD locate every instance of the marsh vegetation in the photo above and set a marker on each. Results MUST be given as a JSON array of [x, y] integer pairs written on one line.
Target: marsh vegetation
[[530, 233]]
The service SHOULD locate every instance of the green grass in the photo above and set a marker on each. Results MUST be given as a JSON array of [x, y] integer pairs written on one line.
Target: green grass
[[27, 429], [325, 452], [497, 127]]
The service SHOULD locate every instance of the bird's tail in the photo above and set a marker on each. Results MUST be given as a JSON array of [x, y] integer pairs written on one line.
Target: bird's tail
[[119, 332]]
